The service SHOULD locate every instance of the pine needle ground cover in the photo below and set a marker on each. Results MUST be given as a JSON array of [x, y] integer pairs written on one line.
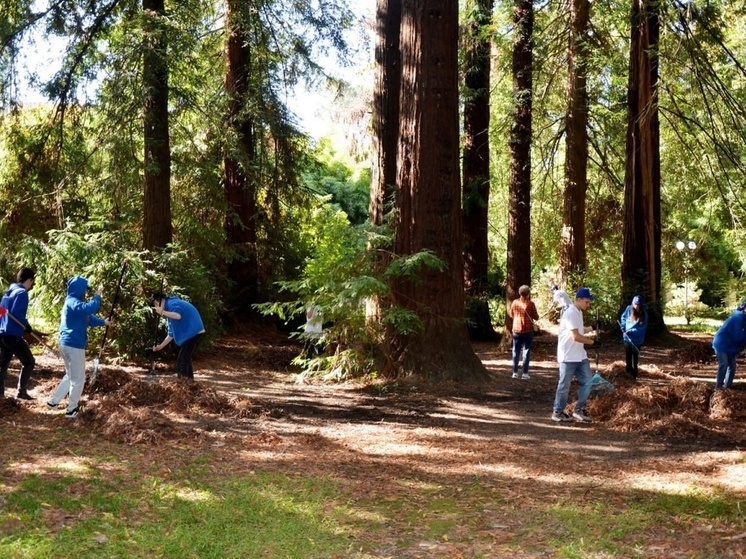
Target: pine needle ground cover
[[247, 462]]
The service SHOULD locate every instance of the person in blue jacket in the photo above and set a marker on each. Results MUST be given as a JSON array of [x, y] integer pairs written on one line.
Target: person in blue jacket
[[185, 328], [729, 341], [76, 317], [15, 302], [634, 324]]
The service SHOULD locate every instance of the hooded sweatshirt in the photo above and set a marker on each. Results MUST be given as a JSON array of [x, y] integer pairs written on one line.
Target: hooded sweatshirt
[[78, 314], [731, 336], [15, 300]]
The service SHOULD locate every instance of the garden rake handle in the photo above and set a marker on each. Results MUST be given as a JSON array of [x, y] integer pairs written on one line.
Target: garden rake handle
[[4, 311], [155, 332], [113, 306]]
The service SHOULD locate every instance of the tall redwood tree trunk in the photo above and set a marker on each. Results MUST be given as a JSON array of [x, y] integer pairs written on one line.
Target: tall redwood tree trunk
[[476, 145], [429, 196], [519, 204], [641, 262], [156, 227], [240, 189], [572, 242]]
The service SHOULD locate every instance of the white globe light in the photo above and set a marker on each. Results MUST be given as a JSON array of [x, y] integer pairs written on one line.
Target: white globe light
[[680, 245], [692, 245]]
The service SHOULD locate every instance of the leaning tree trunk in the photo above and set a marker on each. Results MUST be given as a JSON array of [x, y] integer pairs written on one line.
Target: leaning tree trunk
[[240, 188], [429, 197], [641, 261], [572, 241], [156, 228], [519, 204]]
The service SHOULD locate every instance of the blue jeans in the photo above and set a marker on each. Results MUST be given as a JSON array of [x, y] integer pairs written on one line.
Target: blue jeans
[[567, 370], [522, 348], [726, 369]]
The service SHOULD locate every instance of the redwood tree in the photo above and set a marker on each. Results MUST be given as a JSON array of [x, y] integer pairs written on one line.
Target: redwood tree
[[519, 204], [476, 145], [641, 262], [572, 241], [157, 228], [428, 212], [239, 159]]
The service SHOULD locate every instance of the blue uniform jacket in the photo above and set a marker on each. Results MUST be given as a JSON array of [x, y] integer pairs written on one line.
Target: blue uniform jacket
[[78, 314], [731, 336], [15, 300], [635, 330], [189, 325]]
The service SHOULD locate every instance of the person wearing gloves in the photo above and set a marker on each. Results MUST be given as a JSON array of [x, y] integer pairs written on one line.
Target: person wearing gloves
[[13, 325], [634, 324], [729, 341], [77, 316], [185, 328]]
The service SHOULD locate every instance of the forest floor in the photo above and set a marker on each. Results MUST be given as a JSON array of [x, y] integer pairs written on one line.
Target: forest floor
[[667, 433]]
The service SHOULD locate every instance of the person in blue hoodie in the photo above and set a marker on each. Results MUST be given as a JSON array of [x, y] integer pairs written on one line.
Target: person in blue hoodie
[[634, 324], [729, 341], [77, 316], [12, 329], [185, 328]]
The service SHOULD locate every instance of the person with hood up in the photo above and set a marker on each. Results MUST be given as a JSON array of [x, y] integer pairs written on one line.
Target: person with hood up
[[13, 325], [729, 341], [77, 316], [634, 324], [185, 328]]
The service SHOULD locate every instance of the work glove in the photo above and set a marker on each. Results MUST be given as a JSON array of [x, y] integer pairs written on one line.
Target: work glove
[[28, 330], [596, 343]]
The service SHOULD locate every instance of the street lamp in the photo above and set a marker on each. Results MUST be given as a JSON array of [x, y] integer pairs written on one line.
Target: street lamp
[[686, 247]]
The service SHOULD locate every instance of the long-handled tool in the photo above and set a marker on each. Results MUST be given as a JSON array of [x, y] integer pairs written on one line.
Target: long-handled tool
[[97, 360], [4, 311], [626, 337], [155, 333]]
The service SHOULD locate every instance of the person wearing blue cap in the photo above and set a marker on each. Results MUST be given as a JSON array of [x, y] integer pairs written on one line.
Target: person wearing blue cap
[[729, 341], [634, 324], [185, 328], [573, 359]]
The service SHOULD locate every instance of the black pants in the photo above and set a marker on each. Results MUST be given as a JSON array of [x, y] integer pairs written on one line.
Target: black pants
[[632, 355], [16, 345], [184, 366]]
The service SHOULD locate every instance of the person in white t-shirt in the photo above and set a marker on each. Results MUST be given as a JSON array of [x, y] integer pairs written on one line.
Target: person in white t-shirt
[[560, 299], [573, 359], [312, 332]]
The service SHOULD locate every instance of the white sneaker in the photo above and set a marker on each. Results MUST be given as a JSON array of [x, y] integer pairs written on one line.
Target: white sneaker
[[582, 415], [515, 375], [526, 376], [561, 417]]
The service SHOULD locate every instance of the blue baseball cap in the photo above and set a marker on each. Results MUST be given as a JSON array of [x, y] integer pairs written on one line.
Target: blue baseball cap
[[584, 293]]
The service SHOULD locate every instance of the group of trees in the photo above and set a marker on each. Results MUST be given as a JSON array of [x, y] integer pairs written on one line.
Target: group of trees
[[536, 143]]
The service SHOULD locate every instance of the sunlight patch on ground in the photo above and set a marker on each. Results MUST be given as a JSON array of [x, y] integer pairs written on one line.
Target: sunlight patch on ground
[[45, 464]]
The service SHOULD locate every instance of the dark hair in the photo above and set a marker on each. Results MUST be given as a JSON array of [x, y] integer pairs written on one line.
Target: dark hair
[[638, 313], [157, 296], [25, 274]]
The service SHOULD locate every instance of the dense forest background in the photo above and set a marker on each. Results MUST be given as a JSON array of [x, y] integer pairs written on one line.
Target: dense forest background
[[167, 139]]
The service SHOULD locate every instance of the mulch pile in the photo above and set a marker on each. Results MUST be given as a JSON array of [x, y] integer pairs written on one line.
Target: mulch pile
[[694, 351], [670, 406]]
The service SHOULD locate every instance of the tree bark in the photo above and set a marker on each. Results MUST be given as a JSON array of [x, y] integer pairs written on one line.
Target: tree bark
[[572, 242], [157, 227], [641, 261], [476, 146], [240, 157], [429, 196], [519, 204]]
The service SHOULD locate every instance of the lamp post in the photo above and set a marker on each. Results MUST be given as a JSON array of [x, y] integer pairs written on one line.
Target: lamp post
[[686, 247]]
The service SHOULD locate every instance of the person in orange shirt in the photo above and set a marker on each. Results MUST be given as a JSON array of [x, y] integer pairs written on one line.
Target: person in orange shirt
[[524, 314]]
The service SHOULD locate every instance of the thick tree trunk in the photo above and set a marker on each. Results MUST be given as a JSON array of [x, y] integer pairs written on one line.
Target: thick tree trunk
[[476, 146], [385, 127], [519, 204], [385, 108], [572, 242], [156, 227], [641, 262], [429, 196], [240, 189]]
